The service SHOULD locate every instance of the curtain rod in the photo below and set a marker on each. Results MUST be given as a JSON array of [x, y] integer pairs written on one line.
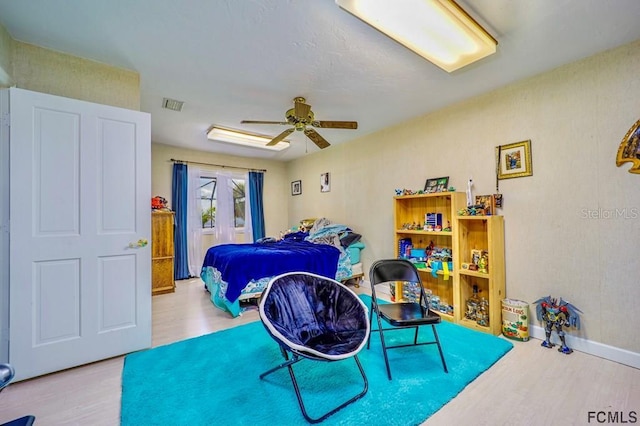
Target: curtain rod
[[219, 165]]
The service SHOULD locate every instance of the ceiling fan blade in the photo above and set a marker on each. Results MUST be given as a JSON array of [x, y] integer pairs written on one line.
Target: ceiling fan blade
[[335, 124], [302, 110], [263, 122], [280, 137], [316, 138]]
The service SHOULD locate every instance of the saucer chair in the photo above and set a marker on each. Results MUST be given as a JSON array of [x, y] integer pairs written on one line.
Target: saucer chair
[[315, 318], [7, 373]]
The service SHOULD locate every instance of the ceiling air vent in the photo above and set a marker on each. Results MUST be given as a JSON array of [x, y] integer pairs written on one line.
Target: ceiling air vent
[[172, 104]]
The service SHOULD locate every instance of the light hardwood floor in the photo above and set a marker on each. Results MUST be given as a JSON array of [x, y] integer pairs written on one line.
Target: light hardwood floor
[[528, 386]]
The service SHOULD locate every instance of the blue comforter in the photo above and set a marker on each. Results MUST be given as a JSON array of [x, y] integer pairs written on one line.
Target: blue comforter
[[240, 263]]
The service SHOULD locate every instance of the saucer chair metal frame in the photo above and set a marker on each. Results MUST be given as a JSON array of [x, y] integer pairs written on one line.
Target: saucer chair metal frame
[[401, 315], [289, 290]]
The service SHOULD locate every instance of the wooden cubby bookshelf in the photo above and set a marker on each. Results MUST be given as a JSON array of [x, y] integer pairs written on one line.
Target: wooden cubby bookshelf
[[411, 209], [484, 233]]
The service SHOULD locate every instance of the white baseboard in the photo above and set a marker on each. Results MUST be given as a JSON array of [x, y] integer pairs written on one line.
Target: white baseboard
[[623, 356], [612, 353]]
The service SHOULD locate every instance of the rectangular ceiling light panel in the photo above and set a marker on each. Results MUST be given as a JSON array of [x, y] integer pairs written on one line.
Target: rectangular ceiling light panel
[[438, 30], [240, 137]]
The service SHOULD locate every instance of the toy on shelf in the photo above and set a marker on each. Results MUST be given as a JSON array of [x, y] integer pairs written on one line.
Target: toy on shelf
[[404, 191], [469, 192], [557, 314], [477, 309], [475, 210], [438, 305], [433, 220], [483, 262], [159, 203], [415, 226], [400, 192], [412, 226], [440, 259], [472, 305], [482, 316]]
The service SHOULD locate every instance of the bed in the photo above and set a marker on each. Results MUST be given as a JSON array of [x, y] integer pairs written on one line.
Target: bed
[[237, 272]]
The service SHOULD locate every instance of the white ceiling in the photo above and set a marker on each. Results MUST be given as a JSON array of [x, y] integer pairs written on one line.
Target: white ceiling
[[230, 60]]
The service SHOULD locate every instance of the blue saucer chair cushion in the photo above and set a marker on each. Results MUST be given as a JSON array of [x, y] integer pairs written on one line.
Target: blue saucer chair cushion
[[314, 316]]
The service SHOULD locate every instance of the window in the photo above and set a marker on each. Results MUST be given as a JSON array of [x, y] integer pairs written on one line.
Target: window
[[208, 187], [208, 201]]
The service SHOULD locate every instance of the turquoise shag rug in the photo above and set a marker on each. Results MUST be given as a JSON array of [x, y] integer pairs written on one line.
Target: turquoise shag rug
[[214, 380]]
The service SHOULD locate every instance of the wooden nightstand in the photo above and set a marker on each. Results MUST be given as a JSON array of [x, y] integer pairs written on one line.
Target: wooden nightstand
[[162, 252]]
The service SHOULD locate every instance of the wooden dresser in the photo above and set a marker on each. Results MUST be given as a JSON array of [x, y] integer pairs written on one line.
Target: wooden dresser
[[162, 252]]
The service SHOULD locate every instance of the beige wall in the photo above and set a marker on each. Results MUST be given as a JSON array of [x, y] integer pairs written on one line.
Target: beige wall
[[6, 49], [42, 70], [276, 186], [575, 117]]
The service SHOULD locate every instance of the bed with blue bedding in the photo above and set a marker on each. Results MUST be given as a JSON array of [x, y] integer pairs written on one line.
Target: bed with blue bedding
[[236, 272]]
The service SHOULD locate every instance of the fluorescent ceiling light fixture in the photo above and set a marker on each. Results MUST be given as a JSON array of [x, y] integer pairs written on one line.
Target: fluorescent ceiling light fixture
[[240, 137], [438, 30]]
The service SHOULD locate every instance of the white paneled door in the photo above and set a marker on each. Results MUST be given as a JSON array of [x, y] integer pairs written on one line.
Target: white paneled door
[[80, 190]]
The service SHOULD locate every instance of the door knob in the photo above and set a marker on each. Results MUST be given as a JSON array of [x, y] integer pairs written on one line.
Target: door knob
[[140, 243]]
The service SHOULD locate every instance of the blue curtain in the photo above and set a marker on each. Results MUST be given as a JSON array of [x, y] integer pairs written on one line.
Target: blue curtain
[[256, 182], [179, 206]]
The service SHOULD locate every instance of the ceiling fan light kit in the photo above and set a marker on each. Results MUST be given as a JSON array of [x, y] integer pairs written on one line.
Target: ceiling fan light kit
[[241, 137], [438, 30], [301, 116]]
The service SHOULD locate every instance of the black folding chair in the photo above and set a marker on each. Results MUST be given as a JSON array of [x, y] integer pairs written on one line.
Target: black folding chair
[[400, 315], [316, 318]]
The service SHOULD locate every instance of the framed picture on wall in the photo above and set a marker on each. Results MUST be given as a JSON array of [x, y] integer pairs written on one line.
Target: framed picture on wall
[[296, 187], [514, 160], [325, 182]]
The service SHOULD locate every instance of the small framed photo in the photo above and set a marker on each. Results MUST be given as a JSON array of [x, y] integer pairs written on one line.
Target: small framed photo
[[436, 185], [296, 187], [325, 182], [488, 204], [514, 160]]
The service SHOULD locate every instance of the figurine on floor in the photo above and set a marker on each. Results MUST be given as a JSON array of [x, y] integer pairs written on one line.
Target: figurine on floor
[[557, 314]]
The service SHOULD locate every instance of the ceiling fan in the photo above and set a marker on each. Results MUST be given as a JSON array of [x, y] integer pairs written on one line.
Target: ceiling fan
[[301, 116]]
